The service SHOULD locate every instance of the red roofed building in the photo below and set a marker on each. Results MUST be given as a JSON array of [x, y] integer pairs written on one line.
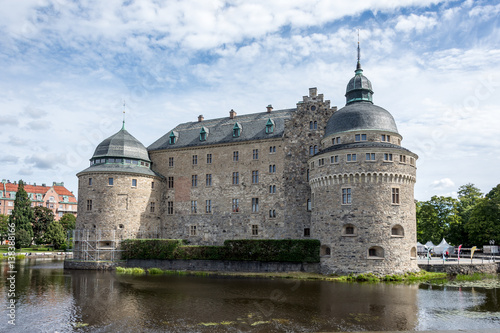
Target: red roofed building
[[55, 197]]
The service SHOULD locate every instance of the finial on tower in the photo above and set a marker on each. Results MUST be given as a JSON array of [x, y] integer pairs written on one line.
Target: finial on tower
[[358, 66], [123, 126]]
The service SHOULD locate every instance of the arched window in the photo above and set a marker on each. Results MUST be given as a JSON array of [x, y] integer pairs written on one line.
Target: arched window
[[315, 125], [311, 150], [311, 125], [236, 130], [397, 231], [349, 230], [413, 252], [375, 252], [325, 250], [315, 150]]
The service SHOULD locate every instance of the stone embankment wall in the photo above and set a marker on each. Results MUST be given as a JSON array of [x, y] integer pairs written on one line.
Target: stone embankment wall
[[91, 265], [225, 265], [198, 265], [489, 268]]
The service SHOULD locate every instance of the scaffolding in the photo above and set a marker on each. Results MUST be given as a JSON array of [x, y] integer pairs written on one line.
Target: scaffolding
[[102, 244]]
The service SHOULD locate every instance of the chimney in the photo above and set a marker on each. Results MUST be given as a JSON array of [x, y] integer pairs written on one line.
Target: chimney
[[313, 92], [200, 118], [232, 114], [43, 185], [34, 184], [269, 108]]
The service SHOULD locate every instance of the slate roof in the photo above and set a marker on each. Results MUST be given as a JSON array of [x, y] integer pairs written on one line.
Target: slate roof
[[120, 168], [253, 127], [122, 144], [366, 144], [360, 116]]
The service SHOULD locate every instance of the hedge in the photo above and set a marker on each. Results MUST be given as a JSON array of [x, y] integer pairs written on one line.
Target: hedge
[[284, 250]]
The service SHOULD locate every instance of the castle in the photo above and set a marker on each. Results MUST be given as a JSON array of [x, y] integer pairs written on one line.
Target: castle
[[340, 176]]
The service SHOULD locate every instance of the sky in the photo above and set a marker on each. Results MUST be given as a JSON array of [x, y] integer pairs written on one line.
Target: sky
[[67, 67]]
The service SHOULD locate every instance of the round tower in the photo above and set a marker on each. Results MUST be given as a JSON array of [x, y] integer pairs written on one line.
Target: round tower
[[119, 195], [362, 188]]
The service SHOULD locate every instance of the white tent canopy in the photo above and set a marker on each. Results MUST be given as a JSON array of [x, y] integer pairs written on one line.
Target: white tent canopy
[[421, 247], [429, 244], [443, 247]]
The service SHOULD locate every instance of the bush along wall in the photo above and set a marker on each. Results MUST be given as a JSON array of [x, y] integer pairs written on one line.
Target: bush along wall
[[276, 250]]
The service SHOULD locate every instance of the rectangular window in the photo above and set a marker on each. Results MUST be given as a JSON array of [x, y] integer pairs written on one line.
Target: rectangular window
[[90, 181], [89, 204], [255, 230], [360, 137], [208, 206], [236, 178], [334, 159], [152, 184], [385, 138], [309, 205], [134, 182], [170, 182], [236, 156], [192, 230], [402, 158], [272, 213], [255, 177], [346, 196], [170, 161], [236, 205], [110, 181], [170, 207], [151, 207], [208, 180], [272, 189], [194, 180], [255, 155], [255, 205], [307, 232], [337, 139], [351, 157], [195, 159], [209, 158], [272, 168], [395, 196], [194, 206], [388, 157], [272, 149], [370, 156]]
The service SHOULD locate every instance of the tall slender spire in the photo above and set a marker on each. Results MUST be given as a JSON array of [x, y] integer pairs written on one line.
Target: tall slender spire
[[358, 66], [123, 126]]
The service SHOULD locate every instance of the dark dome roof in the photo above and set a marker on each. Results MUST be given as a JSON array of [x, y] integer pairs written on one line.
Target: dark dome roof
[[361, 115], [122, 144]]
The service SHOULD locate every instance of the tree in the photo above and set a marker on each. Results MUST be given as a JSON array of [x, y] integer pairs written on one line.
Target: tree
[[22, 216], [68, 222], [4, 227], [435, 218], [468, 197], [484, 222], [43, 217], [55, 235]]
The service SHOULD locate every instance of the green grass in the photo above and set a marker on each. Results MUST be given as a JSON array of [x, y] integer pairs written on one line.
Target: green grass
[[129, 270], [4, 249]]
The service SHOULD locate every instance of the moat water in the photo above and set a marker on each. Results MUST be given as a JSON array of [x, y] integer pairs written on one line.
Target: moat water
[[50, 299]]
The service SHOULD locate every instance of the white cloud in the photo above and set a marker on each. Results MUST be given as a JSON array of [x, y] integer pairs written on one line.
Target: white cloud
[[442, 184], [418, 23]]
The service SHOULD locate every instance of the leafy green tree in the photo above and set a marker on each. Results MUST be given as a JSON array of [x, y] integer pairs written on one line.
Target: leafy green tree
[[68, 221], [484, 222], [43, 217], [435, 218], [22, 216], [468, 197], [55, 235], [4, 227]]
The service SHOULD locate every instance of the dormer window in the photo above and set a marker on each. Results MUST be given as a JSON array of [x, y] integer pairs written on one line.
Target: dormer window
[[236, 130], [269, 126], [203, 134], [172, 139]]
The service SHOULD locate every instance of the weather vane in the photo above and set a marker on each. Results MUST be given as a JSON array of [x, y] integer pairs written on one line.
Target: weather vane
[[123, 126]]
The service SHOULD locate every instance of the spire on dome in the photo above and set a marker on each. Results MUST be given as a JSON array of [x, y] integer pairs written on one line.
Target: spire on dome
[[358, 66], [123, 125], [359, 88]]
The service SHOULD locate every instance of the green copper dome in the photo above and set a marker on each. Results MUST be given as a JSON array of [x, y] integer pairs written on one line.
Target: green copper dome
[[359, 88]]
